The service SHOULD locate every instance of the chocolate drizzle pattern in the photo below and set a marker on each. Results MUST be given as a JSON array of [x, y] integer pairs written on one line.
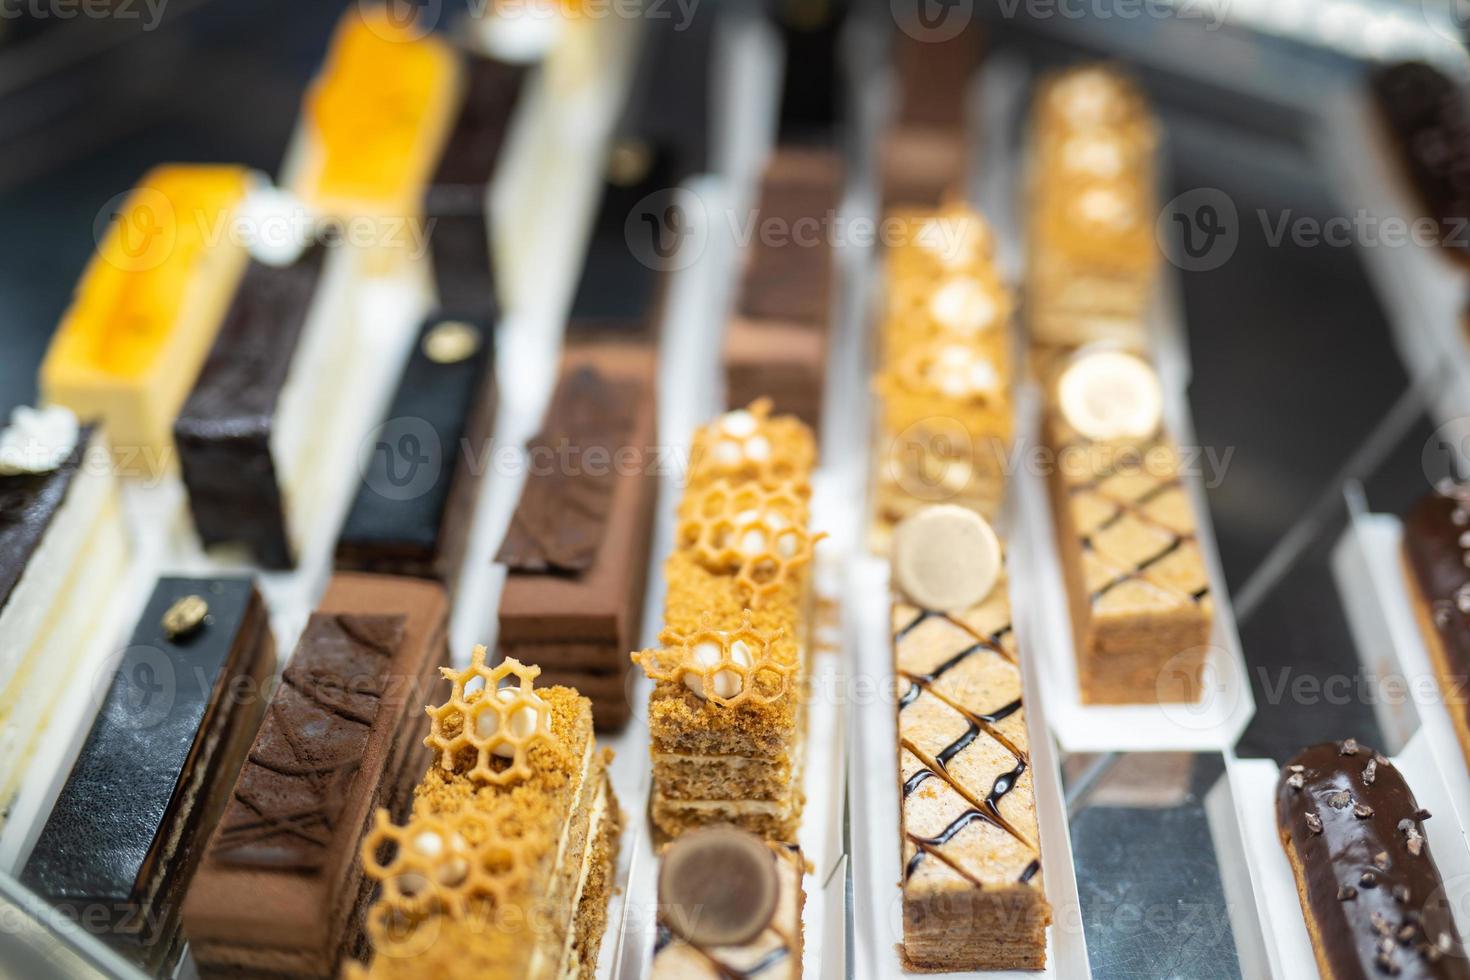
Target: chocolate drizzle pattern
[[980, 722], [300, 772], [562, 516], [1369, 886]]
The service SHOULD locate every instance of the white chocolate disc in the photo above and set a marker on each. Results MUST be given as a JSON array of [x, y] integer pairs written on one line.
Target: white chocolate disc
[[522, 722], [1108, 395], [726, 682], [946, 558], [964, 305]]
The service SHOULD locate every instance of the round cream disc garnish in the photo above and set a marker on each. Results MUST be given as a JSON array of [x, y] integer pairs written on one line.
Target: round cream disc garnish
[[718, 887], [1109, 394], [522, 723], [946, 558], [727, 683], [739, 423], [451, 342]]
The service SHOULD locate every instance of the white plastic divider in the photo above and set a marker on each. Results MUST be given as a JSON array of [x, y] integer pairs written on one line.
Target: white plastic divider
[[1407, 700], [1226, 705], [1282, 921]]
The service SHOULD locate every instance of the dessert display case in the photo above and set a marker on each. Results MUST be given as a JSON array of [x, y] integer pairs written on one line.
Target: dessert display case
[[1191, 714]]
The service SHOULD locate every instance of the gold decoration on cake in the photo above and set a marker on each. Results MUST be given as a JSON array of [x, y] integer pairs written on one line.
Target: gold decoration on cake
[[493, 721], [185, 616], [441, 864], [727, 667], [759, 534], [748, 444]]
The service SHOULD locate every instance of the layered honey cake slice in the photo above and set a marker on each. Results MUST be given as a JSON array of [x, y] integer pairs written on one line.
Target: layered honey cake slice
[[726, 715], [1126, 535], [944, 381], [505, 867], [1092, 258], [972, 884], [729, 905]]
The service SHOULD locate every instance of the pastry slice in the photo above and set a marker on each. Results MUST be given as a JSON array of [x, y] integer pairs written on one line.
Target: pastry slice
[[972, 885], [776, 344], [729, 905], [155, 772], [1437, 573], [343, 735], [63, 548], [414, 509], [253, 434], [1125, 529], [577, 547], [147, 310], [1371, 894], [505, 866]]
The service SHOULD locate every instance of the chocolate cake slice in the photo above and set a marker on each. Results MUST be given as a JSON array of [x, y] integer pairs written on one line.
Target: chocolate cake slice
[[154, 774]]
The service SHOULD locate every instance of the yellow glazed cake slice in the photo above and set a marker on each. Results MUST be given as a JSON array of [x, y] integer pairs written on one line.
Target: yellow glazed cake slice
[[506, 865], [729, 905], [1125, 530], [944, 426], [147, 309], [972, 884], [726, 716], [377, 117]]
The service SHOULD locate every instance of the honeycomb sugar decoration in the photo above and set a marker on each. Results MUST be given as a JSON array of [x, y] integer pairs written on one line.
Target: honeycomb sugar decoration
[[758, 534], [493, 722], [450, 865], [748, 444], [728, 667]]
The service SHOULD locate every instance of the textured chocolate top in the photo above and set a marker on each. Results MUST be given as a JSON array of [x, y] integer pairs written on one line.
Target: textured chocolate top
[[1429, 117], [28, 502], [301, 769], [563, 512], [407, 515], [789, 272], [109, 833], [1356, 836], [223, 432], [1436, 548]]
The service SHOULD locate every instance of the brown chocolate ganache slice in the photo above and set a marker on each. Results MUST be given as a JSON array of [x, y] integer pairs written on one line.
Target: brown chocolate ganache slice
[[1373, 898]]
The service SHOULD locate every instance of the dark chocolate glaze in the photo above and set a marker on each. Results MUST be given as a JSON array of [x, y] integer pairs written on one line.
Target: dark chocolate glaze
[[562, 516], [303, 767], [456, 200], [133, 788], [223, 433], [1428, 116], [618, 292], [411, 515], [1433, 531], [1369, 884], [28, 502], [670, 101]]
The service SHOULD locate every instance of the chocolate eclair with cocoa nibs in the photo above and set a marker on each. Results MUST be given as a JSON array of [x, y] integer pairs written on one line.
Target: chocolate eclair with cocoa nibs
[[1366, 879]]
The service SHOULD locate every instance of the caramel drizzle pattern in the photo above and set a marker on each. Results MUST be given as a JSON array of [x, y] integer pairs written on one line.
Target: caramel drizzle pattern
[[987, 810], [328, 781], [1134, 508]]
